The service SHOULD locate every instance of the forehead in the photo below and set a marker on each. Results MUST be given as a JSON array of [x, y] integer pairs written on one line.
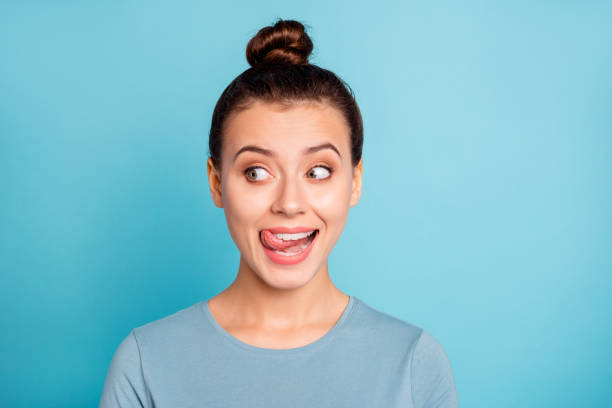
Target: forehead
[[280, 128]]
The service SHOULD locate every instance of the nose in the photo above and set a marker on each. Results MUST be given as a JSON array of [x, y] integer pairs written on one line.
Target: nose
[[290, 199]]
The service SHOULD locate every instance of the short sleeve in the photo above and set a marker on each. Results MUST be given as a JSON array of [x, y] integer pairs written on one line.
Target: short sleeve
[[433, 384], [125, 386]]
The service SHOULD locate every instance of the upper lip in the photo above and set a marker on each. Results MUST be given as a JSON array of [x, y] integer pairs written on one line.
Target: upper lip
[[287, 230]]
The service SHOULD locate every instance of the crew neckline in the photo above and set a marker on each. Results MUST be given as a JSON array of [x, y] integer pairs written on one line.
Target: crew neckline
[[318, 343]]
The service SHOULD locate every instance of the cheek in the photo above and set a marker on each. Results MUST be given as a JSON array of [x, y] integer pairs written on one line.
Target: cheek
[[243, 209], [243, 204], [332, 204]]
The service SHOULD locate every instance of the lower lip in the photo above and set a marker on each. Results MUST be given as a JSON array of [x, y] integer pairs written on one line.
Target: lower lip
[[289, 260]]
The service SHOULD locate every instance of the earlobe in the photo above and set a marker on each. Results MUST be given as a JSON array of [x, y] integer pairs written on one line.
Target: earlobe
[[357, 177], [214, 182]]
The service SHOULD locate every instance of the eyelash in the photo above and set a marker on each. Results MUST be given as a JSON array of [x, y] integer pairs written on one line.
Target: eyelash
[[329, 169]]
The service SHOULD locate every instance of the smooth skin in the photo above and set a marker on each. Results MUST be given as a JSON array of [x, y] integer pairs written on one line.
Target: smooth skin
[[283, 184]]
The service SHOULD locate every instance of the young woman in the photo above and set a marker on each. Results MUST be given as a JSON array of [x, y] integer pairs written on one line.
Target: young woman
[[285, 165]]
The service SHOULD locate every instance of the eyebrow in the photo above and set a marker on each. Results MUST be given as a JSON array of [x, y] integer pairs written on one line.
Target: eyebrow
[[270, 153]]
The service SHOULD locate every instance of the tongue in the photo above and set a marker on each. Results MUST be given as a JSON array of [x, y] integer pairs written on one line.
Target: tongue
[[270, 240]]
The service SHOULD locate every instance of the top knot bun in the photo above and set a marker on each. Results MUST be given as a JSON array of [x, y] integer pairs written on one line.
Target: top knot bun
[[284, 42]]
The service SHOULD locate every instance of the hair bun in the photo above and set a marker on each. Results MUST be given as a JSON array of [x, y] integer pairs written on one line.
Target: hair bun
[[284, 42]]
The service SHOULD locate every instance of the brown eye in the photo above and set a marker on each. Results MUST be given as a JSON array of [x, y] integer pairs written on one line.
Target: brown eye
[[319, 172], [255, 173]]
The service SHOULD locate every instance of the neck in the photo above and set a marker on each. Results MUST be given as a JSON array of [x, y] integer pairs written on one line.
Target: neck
[[250, 301]]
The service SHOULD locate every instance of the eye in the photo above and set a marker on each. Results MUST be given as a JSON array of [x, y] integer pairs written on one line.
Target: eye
[[255, 173], [320, 172]]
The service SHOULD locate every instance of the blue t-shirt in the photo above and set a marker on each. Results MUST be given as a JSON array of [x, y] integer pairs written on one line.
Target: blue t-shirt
[[368, 359]]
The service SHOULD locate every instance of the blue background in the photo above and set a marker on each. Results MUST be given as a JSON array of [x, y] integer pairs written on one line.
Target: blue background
[[485, 214]]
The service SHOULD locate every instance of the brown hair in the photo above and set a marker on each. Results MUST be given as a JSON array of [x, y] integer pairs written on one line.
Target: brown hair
[[280, 73]]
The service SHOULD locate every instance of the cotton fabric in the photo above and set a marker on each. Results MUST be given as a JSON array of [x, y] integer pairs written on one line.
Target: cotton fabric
[[368, 359]]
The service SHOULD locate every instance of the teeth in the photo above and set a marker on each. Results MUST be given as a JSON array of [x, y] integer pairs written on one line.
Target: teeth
[[294, 237], [286, 253]]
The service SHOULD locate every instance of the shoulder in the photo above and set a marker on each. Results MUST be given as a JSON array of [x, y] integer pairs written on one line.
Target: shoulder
[[385, 325], [429, 357], [431, 376], [171, 329], [393, 338], [433, 383], [165, 330]]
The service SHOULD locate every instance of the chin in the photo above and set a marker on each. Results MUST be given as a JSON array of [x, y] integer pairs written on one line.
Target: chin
[[285, 279]]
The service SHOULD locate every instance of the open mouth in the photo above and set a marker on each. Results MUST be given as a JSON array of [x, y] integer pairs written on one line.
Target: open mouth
[[287, 245]]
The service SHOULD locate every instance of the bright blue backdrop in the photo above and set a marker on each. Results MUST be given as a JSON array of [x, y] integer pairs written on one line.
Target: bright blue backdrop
[[485, 215]]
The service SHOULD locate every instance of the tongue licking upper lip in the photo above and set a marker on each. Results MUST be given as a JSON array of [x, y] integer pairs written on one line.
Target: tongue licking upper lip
[[271, 241]]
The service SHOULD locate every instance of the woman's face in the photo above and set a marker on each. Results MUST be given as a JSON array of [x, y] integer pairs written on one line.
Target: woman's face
[[286, 169]]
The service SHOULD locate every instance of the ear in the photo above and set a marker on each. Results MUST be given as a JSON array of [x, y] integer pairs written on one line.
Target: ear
[[214, 182], [357, 176]]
